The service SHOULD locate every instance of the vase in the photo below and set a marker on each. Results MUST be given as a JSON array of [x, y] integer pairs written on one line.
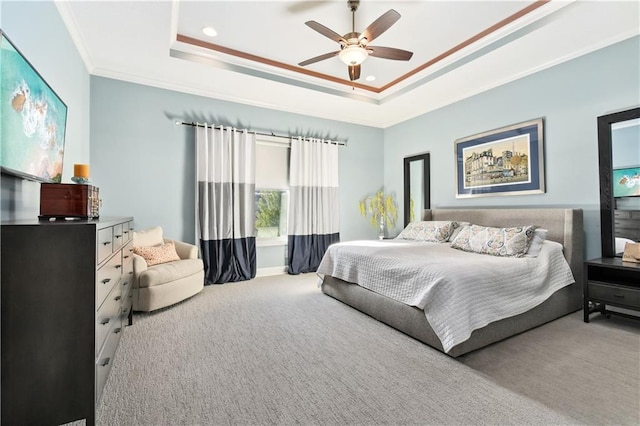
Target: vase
[[381, 234]]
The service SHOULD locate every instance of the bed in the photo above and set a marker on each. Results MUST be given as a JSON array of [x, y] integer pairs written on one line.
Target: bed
[[565, 226]]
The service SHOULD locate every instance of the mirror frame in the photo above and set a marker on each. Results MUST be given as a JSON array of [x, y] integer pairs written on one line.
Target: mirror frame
[[605, 162], [407, 184]]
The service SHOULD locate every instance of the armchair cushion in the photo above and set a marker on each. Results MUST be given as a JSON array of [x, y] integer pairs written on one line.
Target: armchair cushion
[[167, 272], [157, 254], [148, 237]]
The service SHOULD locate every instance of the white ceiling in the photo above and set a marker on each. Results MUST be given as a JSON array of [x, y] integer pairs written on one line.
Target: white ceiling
[[138, 42]]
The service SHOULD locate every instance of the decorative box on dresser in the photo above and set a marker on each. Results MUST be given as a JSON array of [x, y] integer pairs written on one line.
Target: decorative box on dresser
[[610, 281], [65, 300]]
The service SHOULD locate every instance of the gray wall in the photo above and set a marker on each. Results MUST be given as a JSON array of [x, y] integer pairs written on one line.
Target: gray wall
[[144, 163], [569, 96], [37, 30]]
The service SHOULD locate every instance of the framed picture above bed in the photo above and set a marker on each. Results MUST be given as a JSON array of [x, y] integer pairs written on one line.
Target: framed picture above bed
[[505, 161]]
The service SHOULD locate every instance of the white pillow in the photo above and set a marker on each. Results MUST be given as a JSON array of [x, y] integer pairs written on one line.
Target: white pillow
[[536, 242], [148, 237]]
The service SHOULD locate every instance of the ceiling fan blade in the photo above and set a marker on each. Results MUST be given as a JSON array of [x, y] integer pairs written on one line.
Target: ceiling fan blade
[[326, 31], [318, 58], [389, 53], [354, 72], [380, 25]]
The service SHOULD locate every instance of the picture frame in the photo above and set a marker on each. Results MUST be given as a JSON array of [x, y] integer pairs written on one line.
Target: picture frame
[[32, 121], [504, 161]]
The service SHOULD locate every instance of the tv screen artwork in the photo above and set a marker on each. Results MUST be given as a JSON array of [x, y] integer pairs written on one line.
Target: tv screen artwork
[[32, 120], [626, 182]]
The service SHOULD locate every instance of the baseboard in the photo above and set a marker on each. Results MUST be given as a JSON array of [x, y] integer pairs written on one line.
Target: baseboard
[[276, 270]]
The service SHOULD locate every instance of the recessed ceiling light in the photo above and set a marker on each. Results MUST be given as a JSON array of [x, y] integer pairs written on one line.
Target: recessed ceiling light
[[210, 31], [370, 78]]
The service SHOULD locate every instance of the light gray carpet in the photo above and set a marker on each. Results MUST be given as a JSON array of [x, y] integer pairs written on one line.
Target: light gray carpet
[[275, 350]]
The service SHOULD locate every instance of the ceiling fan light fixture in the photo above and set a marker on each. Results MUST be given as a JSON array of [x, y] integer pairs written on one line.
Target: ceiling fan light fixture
[[353, 55]]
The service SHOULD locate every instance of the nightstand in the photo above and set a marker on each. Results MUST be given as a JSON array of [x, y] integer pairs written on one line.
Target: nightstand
[[610, 281]]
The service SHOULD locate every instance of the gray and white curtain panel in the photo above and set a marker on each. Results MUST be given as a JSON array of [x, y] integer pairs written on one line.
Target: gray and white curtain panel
[[313, 209], [225, 172]]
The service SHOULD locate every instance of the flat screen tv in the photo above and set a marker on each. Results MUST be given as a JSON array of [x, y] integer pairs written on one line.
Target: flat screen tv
[[626, 182], [32, 120]]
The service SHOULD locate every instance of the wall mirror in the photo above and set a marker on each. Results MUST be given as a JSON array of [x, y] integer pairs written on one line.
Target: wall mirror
[[619, 163], [416, 187]]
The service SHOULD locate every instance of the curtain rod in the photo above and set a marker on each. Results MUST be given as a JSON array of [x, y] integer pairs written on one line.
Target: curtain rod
[[192, 124]]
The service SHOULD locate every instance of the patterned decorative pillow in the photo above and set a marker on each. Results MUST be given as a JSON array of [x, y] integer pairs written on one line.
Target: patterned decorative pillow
[[511, 242], [157, 254], [435, 231], [456, 231]]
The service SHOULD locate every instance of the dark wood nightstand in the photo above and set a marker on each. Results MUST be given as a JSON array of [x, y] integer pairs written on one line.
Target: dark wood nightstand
[[610, 281]]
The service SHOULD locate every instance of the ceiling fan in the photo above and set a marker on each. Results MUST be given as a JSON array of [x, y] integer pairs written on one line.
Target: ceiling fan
[[354, 47]]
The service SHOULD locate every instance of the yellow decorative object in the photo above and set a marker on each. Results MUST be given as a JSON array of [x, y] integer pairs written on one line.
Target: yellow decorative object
[[81, 170], [381, 210]]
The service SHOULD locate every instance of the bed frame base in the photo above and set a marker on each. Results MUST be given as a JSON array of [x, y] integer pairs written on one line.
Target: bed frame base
[[413, 322], [565, 226]]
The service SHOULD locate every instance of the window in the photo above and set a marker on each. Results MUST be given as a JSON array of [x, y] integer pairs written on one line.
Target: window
[[272, 191], [271, 213]]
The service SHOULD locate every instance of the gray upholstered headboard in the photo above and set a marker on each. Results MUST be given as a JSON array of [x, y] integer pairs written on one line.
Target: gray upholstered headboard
[[564, 225]]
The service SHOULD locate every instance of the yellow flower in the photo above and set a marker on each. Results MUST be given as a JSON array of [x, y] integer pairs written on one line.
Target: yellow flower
[[379, 206]]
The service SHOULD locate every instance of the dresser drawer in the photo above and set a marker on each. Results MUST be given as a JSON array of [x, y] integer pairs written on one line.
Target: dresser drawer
[[107, 316], [105, 359], [614, 294], [126, 309], [127, 231], [118, 237], [107, 277], [105, 243], [127, 269]]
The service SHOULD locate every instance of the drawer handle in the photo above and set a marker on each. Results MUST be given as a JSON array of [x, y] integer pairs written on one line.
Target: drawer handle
[[105, 362], [118, 236], [106, 280], [117, 330], [126, 232], [125, 283], [118, 266], [126, 256], [117, 298], [105, 321], [106, 243]]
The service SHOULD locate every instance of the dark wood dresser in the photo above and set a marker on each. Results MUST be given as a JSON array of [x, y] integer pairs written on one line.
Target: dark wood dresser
[[65, 301], [610, 281]]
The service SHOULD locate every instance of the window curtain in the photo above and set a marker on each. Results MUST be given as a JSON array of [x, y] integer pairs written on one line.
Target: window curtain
[[225, 171], [313, 209]]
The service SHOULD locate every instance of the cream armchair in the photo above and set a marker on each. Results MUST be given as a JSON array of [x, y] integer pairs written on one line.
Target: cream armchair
[[163, 276]]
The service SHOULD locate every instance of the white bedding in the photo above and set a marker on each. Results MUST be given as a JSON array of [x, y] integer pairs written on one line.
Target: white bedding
[[459, 291]]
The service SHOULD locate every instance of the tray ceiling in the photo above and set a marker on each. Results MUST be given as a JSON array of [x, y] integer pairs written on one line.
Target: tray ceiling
[[460, 48]]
